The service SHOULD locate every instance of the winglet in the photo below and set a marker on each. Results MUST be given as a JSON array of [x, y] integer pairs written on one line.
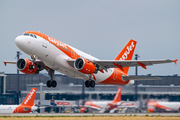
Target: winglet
[[5, 63], [175, 61]]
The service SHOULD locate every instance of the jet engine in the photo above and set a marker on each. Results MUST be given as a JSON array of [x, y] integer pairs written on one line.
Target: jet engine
[[24, 65], [150, 110], [84, 110], [84, 66]]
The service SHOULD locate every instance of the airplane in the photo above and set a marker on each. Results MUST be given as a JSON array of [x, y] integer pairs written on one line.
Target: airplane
[[26, 106], [129, 106], [162, 106], [109, 106], [103, 106], [54, 55]]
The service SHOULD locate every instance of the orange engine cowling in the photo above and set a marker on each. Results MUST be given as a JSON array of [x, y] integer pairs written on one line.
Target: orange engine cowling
[[23, 66], [84, 66], [84, 110], [150, 110]]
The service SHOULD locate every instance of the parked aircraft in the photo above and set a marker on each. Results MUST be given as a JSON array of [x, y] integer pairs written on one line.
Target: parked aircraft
[[103, 106], [54, 55], [161, 106], [110, 106], [25, 107]]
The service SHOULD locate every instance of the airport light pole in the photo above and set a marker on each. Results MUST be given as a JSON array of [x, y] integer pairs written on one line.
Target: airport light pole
[[83, 88], [18, 54], [136, 82]]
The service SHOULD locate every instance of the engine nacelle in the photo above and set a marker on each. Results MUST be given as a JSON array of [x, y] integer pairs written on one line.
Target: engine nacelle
[[23, 66], [83, 110], [84, 66], [131, 82], [33, 108], [150, 110]]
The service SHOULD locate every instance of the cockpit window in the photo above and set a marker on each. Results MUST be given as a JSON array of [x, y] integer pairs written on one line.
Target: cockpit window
[[32, 35], [35, 36], [26, 34]]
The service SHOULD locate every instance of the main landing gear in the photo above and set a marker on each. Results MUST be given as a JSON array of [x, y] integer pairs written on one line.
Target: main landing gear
[[51, 83], [90, 83]]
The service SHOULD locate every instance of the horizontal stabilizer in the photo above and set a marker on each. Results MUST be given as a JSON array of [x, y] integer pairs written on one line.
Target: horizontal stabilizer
[[125, 78]]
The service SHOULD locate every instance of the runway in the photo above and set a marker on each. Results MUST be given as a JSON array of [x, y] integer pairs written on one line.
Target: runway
[[91, 114]]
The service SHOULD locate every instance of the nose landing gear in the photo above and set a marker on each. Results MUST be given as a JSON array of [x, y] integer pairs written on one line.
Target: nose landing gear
[[33, 57], [50, 83]]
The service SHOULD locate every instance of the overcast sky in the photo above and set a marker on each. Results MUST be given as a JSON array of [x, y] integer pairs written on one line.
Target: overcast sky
[[98, 27]]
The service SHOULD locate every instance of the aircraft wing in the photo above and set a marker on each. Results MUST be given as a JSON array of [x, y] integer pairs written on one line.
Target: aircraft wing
[[130, 63], [105, 64]]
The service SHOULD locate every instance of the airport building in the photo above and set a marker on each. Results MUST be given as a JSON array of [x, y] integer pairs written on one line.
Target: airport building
[[70, 91]]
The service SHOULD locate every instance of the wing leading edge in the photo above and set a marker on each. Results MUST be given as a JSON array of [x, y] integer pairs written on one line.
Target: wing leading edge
[[131, 63], [105, 64]]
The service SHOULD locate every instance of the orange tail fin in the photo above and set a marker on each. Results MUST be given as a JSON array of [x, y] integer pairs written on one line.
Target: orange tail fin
[[29, 100], [117, 97], [127, 53]]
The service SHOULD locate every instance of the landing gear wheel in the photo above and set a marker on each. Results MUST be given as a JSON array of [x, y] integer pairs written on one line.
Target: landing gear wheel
[[92, 83], [53, 83], [85, 110], [48, 83], [87, 83]]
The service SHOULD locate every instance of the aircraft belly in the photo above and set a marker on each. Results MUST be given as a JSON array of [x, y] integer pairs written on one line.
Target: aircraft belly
[[62, 66]]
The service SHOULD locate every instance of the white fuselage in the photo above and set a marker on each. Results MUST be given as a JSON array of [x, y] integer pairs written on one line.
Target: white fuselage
[[167, 106], [57, 59], [99, 105], [7, 108]]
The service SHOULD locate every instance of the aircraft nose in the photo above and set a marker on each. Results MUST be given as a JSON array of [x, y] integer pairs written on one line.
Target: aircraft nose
[[19, 41]]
